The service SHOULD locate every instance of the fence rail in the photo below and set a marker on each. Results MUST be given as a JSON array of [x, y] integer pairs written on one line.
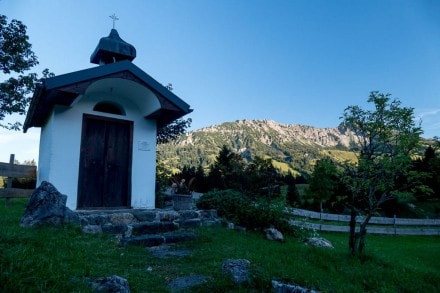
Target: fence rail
[[11, 171], [390, 225], [17, 171]]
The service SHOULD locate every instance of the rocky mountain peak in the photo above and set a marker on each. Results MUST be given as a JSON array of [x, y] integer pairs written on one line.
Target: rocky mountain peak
[[291, 146], [268, 131]]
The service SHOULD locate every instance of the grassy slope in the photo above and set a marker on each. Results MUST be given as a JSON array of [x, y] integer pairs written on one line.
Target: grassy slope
[[58, 260], [341, 156]]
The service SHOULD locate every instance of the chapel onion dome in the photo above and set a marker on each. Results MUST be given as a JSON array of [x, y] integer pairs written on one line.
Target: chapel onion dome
[[112, 49]]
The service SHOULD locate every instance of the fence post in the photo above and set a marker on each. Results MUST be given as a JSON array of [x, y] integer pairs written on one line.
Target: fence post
[[9, 183], [394, 225]]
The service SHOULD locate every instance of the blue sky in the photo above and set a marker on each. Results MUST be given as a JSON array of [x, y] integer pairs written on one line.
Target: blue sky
[[295, 62]]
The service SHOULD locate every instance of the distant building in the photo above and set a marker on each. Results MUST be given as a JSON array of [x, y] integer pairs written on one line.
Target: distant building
[[98, 129]]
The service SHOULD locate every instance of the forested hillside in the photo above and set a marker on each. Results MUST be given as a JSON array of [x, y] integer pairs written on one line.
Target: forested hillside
[[292, 147]]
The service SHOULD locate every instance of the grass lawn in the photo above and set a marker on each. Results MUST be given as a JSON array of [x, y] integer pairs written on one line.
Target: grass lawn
[[60, 259]]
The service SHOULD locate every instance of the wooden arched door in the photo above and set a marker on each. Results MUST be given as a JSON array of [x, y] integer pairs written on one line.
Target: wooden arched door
[[105, 163]]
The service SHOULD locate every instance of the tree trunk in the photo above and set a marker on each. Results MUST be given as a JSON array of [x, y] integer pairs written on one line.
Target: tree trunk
[[352, 234], [363, 233]]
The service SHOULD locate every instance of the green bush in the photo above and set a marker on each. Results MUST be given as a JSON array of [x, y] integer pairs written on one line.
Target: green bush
[[236, 207], [228, 203], [24, 183]]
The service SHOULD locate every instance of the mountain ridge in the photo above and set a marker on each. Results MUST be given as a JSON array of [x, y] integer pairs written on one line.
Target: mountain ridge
[[295, 128], [293, 146]]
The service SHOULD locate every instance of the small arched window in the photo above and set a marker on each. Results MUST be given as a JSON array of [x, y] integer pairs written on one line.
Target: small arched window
[[108, 107]]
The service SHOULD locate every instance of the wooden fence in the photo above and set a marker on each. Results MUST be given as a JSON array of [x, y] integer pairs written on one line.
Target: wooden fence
[[377, 225], [11, 171]]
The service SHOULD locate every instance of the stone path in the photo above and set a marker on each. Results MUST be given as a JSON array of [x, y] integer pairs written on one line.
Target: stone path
[[157, 230], [147, 227]]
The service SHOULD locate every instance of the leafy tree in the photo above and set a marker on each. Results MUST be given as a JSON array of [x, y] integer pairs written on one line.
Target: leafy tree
[[430, 166], [387, 137], [323, 182], [163, 181], [173, 130], [16, 58], [166, 134], [163, 172]]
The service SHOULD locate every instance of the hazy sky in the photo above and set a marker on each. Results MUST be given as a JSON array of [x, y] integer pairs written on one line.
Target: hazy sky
[[291, 61]]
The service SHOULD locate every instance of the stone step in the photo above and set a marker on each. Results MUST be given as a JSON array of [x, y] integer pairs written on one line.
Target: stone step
[[147, 227], [134, 216], [140, 228], [153, 227], [158, 239]]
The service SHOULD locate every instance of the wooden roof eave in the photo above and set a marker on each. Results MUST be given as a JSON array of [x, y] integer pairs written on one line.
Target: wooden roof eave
[[33, 106], [166, 116], [64, 89]]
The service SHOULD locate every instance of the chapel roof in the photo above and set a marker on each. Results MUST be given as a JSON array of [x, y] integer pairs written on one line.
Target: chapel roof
[[114, 56], [64, 89]]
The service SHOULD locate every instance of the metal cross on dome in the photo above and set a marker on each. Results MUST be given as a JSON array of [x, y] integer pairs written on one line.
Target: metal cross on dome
[[113, 16]]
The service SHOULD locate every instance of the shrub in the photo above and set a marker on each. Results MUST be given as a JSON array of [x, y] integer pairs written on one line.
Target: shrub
[[228, 203], [236, 207]]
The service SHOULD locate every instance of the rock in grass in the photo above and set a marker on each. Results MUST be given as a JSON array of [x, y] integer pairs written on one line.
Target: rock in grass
[[47, 206], [318, 242], [279, 287], [238, 269], [164, 251], [184, 283], [110, 284], [274, 234]]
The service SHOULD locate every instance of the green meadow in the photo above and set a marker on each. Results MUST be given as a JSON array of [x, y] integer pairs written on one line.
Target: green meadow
[[61, 259]]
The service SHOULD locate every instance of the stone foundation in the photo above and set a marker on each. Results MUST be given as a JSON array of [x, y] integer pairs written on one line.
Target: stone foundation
[[146, 227]]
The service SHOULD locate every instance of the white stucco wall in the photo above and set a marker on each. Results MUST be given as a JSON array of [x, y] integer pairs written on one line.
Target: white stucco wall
[[61, 139]]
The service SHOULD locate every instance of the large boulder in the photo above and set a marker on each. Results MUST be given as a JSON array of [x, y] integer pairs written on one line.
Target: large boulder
[[47, 206]]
